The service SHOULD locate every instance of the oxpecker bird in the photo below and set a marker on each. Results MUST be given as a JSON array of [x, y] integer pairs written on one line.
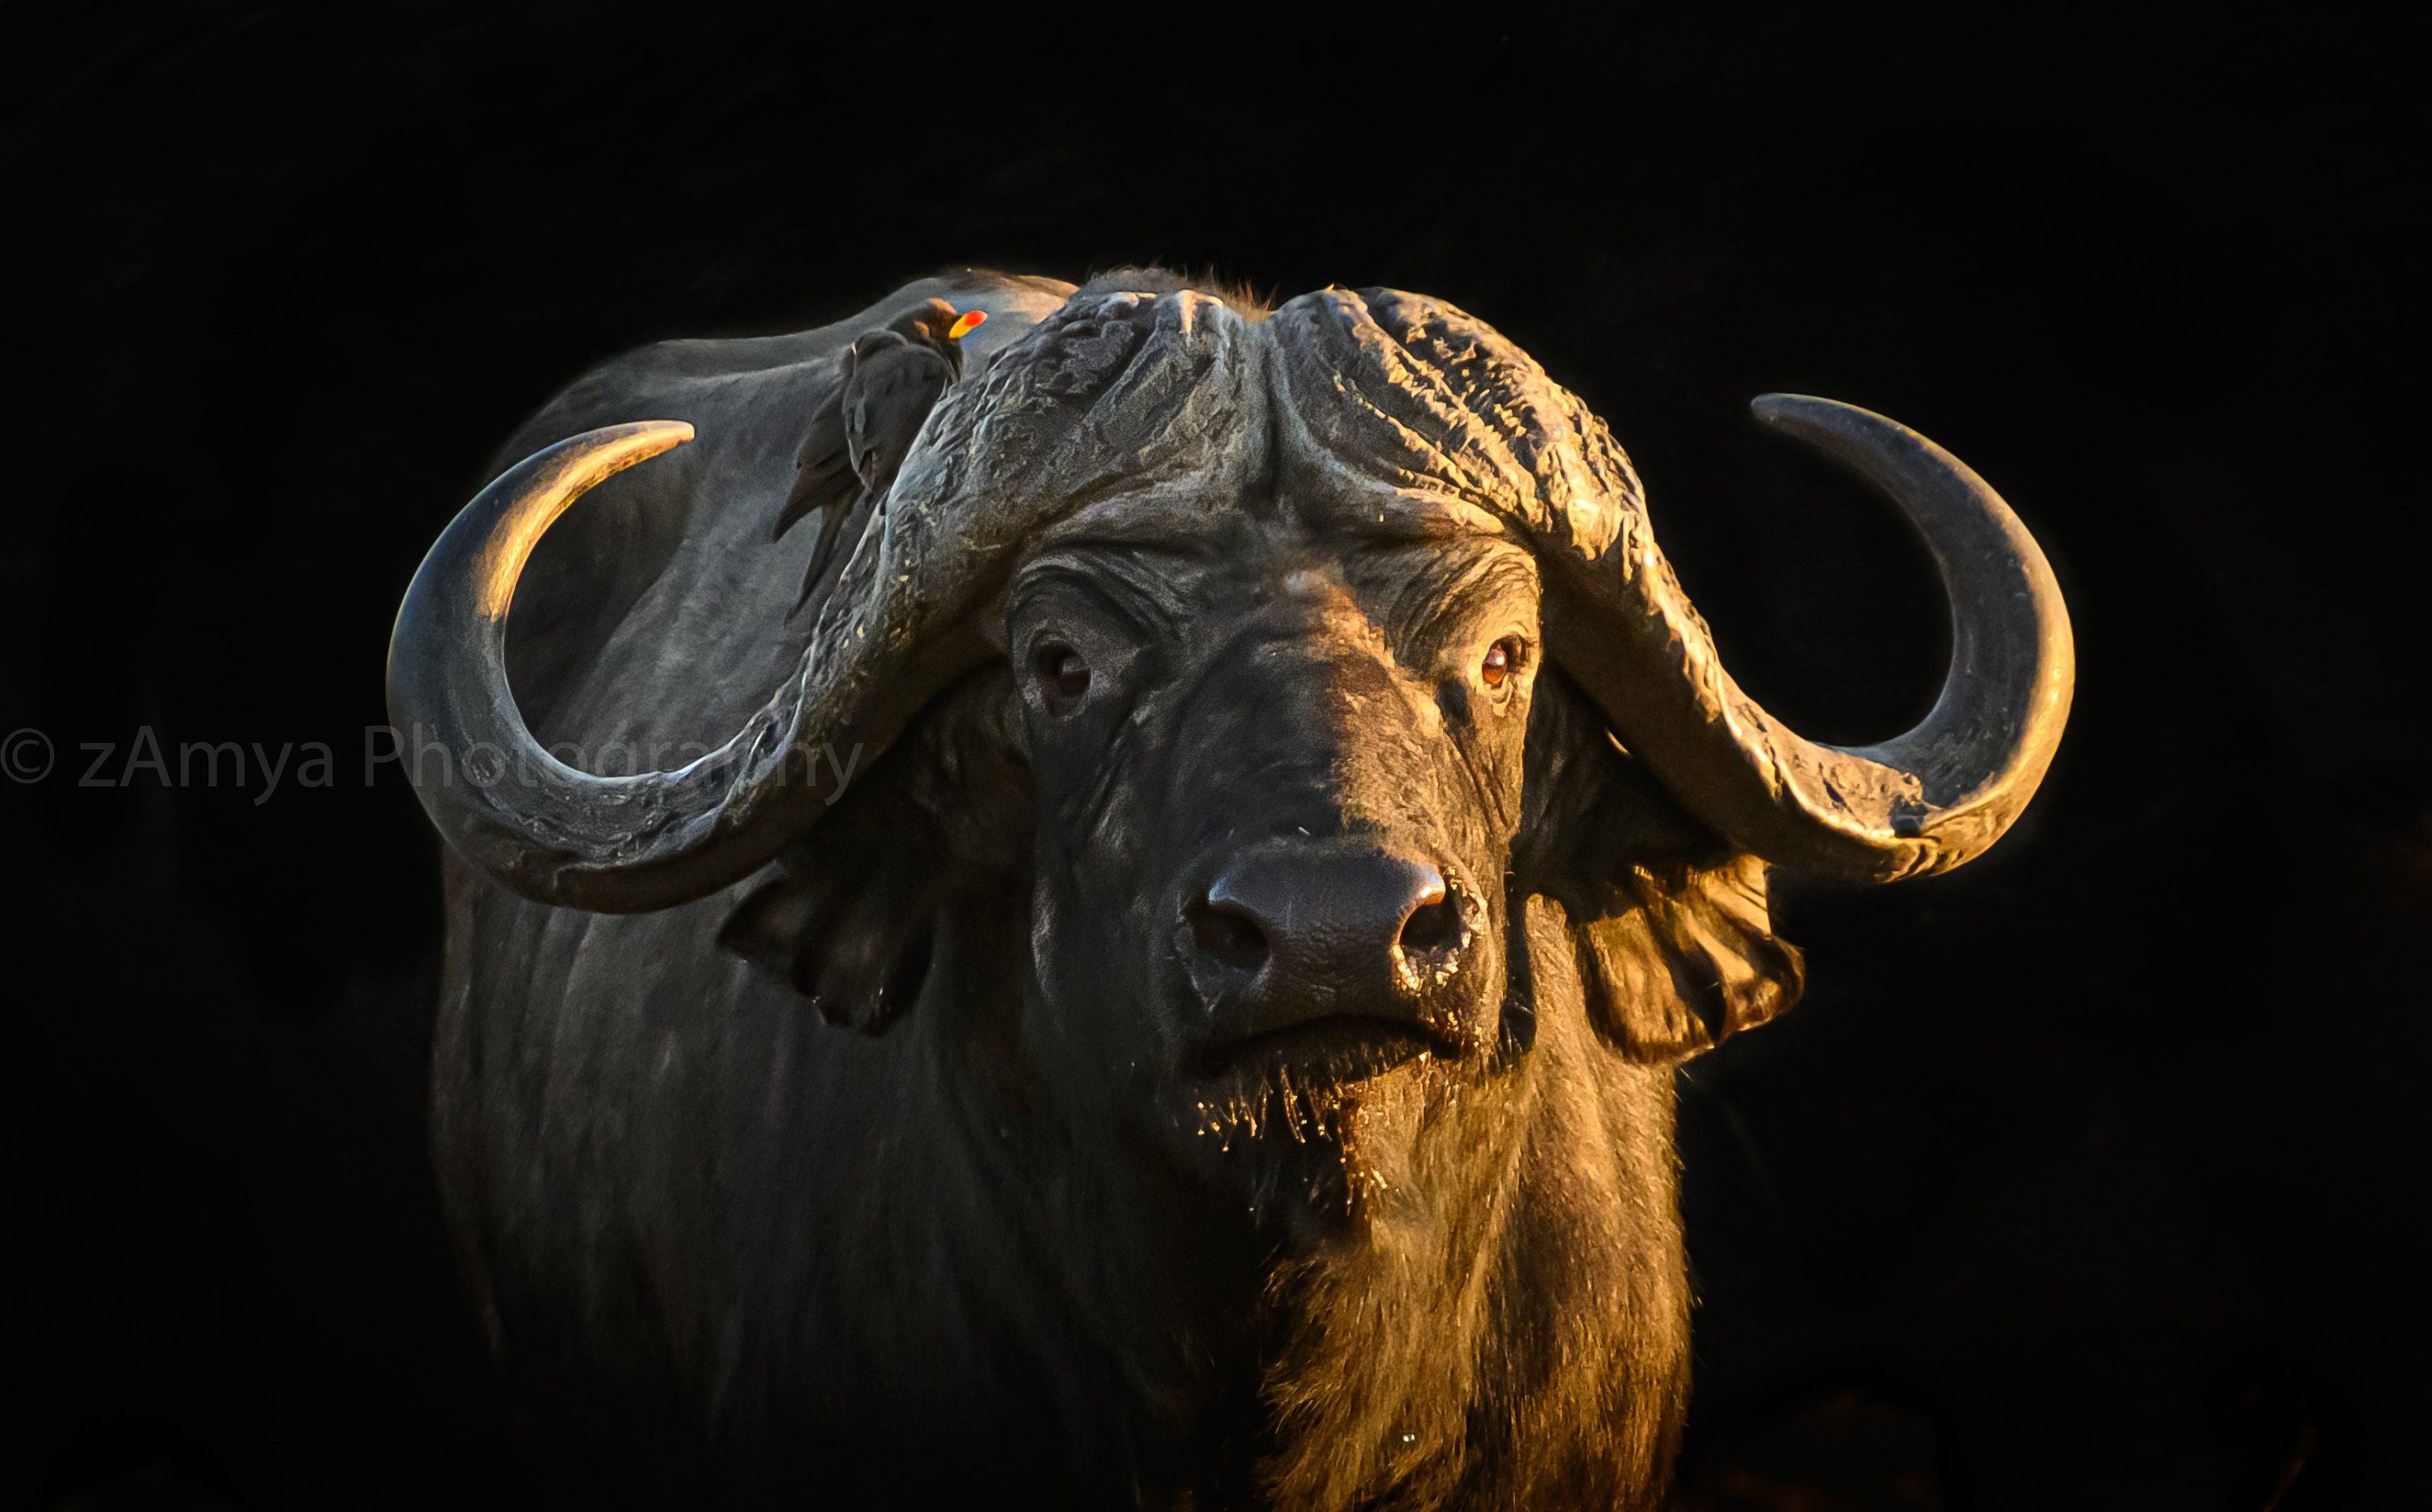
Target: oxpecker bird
[[889, 379]]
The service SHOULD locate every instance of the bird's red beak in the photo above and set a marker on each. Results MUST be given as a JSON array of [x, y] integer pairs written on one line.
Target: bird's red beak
[[968, 321]]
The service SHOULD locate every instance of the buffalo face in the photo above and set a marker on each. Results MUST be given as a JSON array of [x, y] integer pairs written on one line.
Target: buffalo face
[[1277, 774]]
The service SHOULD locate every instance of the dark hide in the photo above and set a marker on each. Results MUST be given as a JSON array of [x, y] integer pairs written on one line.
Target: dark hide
[[928, 1186]]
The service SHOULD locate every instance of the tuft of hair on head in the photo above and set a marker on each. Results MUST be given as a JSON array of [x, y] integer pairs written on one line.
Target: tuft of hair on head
[[1237, 294]]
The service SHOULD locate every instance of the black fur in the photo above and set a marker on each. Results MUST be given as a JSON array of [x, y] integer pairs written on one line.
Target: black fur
[[922, 1191]]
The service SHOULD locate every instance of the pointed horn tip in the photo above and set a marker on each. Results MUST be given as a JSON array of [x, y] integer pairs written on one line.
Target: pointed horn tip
[[1784, 410], [612, 448], [1838, 427], [651, 437]]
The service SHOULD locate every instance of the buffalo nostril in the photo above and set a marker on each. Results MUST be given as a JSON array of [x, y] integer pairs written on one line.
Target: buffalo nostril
[[1230, 934], [1432, 926]]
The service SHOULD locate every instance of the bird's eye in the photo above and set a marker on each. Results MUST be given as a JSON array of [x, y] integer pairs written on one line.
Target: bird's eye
[[1501, 659], [1063, 671]]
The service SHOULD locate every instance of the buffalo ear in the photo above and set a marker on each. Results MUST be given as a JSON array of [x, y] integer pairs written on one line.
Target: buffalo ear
[[1670, 925], [848, 917], [1689, 962], [855, 944]]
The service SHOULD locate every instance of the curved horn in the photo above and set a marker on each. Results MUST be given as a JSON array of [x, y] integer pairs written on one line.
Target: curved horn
[[1923, 802], [607, 843], [1109, 391], [1396, 396]]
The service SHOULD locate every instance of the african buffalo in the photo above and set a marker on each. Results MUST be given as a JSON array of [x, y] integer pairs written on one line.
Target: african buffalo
[[1161, 983]]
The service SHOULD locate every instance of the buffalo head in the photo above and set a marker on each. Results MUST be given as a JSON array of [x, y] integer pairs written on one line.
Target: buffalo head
[[1255, 675]]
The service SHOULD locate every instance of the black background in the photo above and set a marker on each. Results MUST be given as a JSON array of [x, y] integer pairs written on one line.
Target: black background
[[2095, 1169]]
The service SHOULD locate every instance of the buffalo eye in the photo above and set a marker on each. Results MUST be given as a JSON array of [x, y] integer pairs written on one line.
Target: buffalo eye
[[1502, 658], [1063, 671]]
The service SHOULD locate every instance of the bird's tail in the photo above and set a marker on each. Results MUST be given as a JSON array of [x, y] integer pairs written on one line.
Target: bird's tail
[[824, 554]]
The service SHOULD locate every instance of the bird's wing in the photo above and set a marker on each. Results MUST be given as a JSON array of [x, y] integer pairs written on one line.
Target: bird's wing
[[824, 476], [857, 444], [824, 479], [884, 406]]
